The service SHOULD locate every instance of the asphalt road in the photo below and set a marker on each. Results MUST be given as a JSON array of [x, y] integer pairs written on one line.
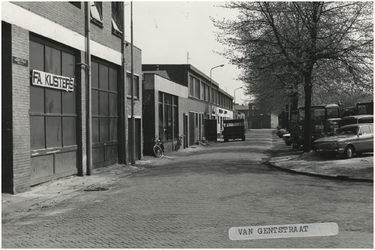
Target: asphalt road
[[193, 198]]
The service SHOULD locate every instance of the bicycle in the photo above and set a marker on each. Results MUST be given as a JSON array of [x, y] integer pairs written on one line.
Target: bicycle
[[179, 143], [158, 147]]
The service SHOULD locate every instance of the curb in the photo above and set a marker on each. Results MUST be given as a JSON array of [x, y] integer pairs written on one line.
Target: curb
[[335, 177]]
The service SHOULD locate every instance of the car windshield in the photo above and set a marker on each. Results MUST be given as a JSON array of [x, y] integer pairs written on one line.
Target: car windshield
[[347, 131]]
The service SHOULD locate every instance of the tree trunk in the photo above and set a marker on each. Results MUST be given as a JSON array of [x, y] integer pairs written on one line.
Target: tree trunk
[[294, 101], [307, 129]]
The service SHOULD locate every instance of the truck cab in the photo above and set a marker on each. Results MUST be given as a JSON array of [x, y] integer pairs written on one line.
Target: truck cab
[[234, 129]]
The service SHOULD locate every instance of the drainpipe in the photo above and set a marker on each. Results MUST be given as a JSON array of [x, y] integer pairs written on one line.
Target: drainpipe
[[132, 135], [88, 103], [123, 80]]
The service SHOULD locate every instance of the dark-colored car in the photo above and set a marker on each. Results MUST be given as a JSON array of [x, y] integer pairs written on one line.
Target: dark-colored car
[[234, 129], [288, 139], [349, 140]]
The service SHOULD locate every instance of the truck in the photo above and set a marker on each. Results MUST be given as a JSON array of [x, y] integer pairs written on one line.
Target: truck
[[234, 129], [324, 121]]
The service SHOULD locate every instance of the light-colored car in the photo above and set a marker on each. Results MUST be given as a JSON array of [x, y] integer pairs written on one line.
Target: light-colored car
[[349, 140]]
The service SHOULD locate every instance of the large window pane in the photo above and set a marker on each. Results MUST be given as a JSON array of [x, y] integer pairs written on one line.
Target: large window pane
[[53, 132], [112, 80], [112, 104], [94, 75], [136, 86], [113, 129], [167, 99], [168, 118], [103, 76], [103, 103], [53, 101], [69, 102], [53, 61], [36, 99], [95, 102], [196, 88], [37, 132], [161, 123], [128, 84], [36, 56], [191, 86], [202, 91], [68, 65], [95, 129], [69, 131], [104, 130]]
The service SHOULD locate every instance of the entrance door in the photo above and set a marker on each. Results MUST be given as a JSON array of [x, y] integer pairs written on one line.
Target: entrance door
[[191, 128], [104, 114], [211, 129], [137, 140]]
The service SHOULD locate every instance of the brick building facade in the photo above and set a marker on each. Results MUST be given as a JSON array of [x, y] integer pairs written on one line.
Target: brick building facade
[[46, 101]]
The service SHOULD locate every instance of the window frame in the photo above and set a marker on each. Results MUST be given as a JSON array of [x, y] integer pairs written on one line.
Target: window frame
[[135, 87], [117, 18], [98, 6]]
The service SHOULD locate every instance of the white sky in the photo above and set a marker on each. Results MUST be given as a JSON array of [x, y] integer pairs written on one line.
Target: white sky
[[167, 31]]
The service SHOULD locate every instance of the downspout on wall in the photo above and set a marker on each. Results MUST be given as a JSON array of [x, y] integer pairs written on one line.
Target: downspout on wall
[[88, 82], [124, 44]]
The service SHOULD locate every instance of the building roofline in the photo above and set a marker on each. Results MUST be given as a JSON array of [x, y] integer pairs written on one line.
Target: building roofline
[[191, 67]]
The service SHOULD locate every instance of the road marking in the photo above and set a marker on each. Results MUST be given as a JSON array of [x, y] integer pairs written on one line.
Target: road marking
[[283, 231]]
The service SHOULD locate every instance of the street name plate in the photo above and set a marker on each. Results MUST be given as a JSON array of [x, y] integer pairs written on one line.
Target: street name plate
[[283, 231]]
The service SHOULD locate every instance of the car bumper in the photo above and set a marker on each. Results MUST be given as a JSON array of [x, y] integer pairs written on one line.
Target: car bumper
[[330, 150]]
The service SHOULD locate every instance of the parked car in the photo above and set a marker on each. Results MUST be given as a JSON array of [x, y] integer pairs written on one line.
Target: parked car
[[288, 139], [349, 140], [281, 132]]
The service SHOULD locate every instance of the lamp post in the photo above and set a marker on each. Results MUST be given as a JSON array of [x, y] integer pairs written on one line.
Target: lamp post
[[222, 65], [218, 66], [235, 94]]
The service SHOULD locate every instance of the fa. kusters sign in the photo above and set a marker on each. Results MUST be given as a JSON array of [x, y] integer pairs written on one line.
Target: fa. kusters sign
[[48, 80]]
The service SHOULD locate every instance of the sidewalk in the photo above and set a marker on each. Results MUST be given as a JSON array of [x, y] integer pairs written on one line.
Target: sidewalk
[[55, 191], [288, 159]]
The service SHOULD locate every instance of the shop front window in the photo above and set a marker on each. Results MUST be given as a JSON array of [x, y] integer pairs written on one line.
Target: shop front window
[[168, 116], [53, 115]]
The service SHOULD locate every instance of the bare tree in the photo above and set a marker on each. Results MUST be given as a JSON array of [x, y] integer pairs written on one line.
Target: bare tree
[[301, 44]]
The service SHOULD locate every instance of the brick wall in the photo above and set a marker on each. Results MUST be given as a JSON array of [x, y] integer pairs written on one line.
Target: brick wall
[[21, 104], [63, 13], [104, 35]]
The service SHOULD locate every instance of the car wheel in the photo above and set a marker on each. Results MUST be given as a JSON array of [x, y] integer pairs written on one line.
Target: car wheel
[[349, 151]]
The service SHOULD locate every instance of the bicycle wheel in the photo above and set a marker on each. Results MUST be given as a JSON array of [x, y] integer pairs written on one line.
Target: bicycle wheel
[[157, 150]]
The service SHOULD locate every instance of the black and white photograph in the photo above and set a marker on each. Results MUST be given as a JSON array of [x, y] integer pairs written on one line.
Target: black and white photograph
[[187, 124]]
